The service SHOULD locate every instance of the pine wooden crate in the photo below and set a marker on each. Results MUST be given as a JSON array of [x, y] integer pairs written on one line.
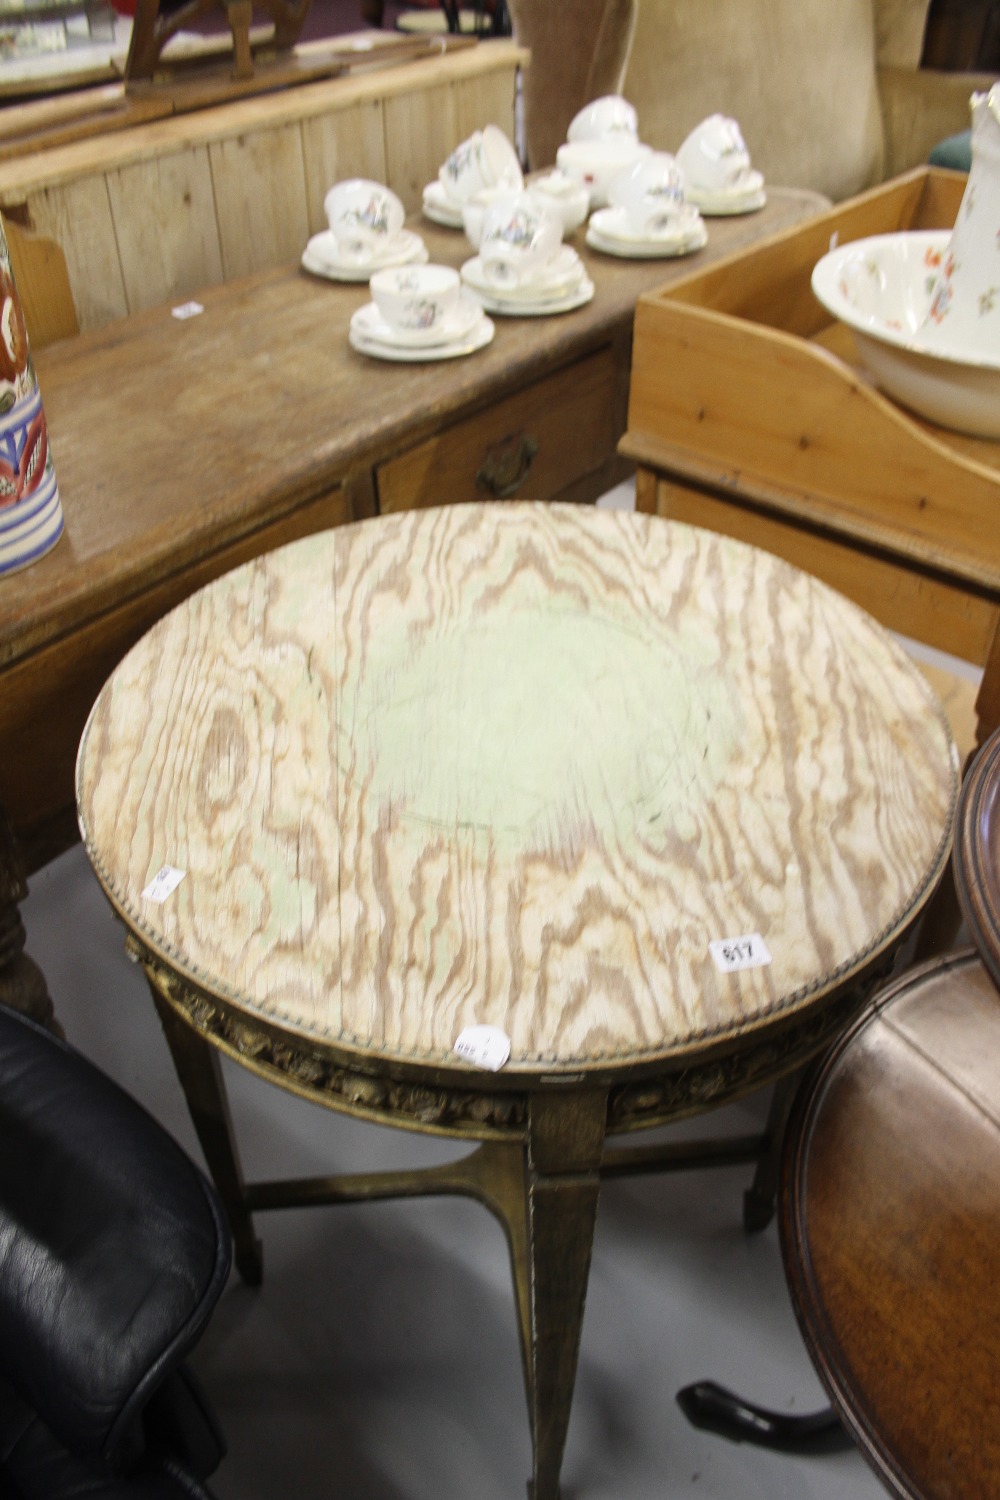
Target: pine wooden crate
[[109, 226], [750, 413]]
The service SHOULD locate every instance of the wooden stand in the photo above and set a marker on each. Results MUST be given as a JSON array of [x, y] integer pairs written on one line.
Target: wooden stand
[[749, 414]]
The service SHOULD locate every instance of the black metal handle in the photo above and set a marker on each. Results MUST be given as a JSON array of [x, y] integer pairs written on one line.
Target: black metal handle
[[506, 466]]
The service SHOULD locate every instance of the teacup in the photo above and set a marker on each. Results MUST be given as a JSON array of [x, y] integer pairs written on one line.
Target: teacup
[[474, 212], [519, 239], [650, 194], [416, 299], [603, 119], [714, 158], [485, 160], [365, 217], [593, 164]]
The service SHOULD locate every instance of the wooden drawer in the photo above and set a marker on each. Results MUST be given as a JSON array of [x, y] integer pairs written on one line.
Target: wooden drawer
[[45, 698], [532, 445]]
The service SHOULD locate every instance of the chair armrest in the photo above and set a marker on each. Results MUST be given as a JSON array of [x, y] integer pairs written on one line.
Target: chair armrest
[[921, 106]]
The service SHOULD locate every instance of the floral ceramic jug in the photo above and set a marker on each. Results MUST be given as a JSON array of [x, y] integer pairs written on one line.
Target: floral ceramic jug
[[31, 518], [964, 313]]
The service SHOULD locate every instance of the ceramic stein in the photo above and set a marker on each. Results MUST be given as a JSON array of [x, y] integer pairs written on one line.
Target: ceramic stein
[[31, 519], [964, 312]]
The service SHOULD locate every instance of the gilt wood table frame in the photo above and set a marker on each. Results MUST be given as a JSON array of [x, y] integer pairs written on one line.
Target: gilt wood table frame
[[514, 766]]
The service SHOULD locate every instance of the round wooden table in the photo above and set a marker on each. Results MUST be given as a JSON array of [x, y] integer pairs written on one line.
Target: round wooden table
[[653, 805]]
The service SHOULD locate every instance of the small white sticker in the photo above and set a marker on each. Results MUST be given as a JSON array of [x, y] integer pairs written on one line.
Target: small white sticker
[[747, 952], [187, 310], [484, 1047], [163, 884]]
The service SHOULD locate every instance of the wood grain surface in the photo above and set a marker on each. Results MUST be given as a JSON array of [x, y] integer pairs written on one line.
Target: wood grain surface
[[519, 766]]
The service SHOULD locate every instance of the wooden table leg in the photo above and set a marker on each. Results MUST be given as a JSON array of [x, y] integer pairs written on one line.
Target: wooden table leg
[[565, 1144], [22, 983], [200, 1072]]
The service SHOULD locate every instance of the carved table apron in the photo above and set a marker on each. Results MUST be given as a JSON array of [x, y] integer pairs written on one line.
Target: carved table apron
[[653, 804]]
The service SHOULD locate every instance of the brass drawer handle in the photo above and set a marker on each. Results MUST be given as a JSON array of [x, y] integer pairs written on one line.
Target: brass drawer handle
[[506, 466]]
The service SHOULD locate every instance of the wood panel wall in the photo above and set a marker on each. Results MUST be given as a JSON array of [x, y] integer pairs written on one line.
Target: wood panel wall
[[156, 213]]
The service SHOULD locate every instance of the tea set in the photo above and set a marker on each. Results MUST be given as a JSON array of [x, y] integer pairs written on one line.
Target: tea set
[[712, 163], [639, 203]]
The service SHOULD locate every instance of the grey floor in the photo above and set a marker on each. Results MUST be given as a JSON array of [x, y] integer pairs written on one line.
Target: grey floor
[[379, 1359]]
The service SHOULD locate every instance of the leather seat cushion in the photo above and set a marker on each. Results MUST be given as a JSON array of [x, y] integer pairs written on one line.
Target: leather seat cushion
[[89, 1182]]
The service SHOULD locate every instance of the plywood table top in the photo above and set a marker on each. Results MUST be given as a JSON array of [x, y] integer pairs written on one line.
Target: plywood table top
[[519, 766]]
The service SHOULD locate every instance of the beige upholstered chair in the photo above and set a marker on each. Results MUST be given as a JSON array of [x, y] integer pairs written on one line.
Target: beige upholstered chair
[[829, 95]]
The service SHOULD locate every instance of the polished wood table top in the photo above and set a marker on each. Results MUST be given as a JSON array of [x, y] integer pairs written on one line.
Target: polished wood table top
[[891, 1199], [890, 1228], [977, 865], [653, 804]]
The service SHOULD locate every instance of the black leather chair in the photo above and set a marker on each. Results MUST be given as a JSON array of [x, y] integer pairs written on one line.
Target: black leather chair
[[113, 1253]]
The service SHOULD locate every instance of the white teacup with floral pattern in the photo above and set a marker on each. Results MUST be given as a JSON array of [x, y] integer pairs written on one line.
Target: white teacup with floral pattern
[[714, 159], [518, 240], [604, 118], [416, 299], [485, 160], [650, 195], [365, 218]]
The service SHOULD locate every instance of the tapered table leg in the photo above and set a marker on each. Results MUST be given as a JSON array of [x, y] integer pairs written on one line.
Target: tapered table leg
[[565, 1143], [200, 1072]]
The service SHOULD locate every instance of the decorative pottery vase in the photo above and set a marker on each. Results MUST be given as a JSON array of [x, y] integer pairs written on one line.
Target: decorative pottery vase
[[964, 311], [31, 519]]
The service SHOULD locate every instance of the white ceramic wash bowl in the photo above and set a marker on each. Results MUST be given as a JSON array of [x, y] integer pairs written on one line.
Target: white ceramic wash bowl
[[322, 257], [881, 287], [455, 327], [609, 232]]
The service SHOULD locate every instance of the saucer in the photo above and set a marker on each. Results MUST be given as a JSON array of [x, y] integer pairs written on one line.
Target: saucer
[[561, 278], [480, 334], [441, 209], [322, 258], [721, 205], [607, 232], [548, 307], [369, 324]]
